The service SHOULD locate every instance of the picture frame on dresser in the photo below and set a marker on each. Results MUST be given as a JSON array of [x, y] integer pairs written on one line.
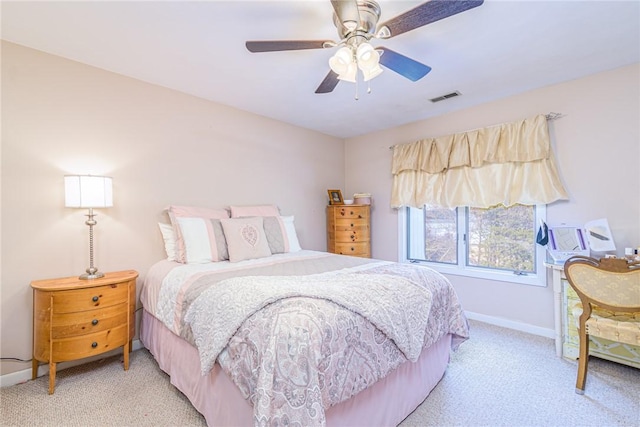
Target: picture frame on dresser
[[335, 197]]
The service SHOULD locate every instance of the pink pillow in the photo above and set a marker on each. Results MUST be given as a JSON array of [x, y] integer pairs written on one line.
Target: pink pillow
[[181, 216], [256, 210]]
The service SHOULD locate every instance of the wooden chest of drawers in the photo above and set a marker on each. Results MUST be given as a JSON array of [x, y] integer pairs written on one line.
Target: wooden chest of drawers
[[74, 318], [349, 230]]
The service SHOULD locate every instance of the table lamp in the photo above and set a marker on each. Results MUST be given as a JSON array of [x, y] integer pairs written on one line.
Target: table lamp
[[88, 191]]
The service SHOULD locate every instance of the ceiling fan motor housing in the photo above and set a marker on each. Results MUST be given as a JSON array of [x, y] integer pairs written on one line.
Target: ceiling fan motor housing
[[369, 12]]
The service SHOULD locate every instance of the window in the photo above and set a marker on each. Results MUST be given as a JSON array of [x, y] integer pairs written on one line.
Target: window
[[497, 243]]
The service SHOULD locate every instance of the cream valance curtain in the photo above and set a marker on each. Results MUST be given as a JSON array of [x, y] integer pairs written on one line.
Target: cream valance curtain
[[505, 164]]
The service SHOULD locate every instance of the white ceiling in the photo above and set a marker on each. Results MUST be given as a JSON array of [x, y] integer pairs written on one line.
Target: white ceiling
[[496, 50]]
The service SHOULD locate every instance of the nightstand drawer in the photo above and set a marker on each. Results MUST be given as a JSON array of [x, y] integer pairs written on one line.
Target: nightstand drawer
[[86, 322], [89, 345], [90, 298]]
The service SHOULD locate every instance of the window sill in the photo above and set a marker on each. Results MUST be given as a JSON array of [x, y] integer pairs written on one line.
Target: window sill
[[479, 273]]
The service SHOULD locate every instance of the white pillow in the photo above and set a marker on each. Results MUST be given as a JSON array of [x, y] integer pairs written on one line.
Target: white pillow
[[169, 237], [203, 240], [292, 237], [199, 235], [246, 238]]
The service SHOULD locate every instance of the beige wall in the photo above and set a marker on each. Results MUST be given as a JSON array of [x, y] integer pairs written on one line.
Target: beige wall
[[597, 146], [164, 147], [161, 147]]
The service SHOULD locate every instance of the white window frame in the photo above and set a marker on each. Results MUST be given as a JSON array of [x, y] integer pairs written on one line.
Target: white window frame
[[539, 278]]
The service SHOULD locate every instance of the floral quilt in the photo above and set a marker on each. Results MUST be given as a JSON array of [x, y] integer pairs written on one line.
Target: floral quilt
[[301, 335]]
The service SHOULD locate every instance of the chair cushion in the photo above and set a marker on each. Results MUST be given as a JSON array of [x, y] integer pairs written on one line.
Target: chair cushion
[[621, 327]]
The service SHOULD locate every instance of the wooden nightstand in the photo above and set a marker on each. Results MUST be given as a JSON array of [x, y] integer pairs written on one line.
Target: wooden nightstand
[[349, 230], [74, 318]]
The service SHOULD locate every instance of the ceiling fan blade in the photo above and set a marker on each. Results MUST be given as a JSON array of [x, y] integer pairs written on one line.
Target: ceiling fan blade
[[329, 83], [426, 13], [347, 13], [278, 45], [405, 66]]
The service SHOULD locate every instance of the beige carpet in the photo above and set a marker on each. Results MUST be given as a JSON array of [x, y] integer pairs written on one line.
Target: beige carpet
[[497, 378]]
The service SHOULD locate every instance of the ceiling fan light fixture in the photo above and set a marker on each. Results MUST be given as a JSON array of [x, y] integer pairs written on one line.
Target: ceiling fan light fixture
[[341, 61], [364, 52], [350, 74], [368, 58], [372, 72]]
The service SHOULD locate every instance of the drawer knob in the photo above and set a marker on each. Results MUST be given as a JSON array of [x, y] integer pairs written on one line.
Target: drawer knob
[[94, 344], [94, 322], [359, 216], [94, 299], [353, 249]]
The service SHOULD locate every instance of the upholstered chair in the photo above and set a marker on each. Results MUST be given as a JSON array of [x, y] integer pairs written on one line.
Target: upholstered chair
[[609, 290]]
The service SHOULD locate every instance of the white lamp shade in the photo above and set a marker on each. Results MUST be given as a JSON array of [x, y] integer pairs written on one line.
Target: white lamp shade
[[88, 191], [368, 57], [350, 74], [371, 73], [340, 62]]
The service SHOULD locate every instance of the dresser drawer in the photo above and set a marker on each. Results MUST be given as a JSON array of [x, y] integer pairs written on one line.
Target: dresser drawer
[[355, 249], [89, 345], [90, 298], [351, 236], [349, 223], [86, 322], [352, 212]]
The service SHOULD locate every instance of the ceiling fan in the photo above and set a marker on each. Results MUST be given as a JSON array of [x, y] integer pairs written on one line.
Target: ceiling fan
[[357, 23]]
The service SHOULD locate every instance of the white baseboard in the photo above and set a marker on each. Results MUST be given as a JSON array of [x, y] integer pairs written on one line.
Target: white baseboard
[[510, 324], [25, 375]]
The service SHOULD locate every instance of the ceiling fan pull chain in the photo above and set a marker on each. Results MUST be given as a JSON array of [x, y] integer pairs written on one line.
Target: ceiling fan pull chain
[[369, 87], [356, 96]]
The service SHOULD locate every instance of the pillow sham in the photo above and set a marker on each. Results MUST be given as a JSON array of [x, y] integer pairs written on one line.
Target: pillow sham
[[290, 229], [276, 233], [169, 238], [204, 240], [255, 210], [199, 234], [246, 238]]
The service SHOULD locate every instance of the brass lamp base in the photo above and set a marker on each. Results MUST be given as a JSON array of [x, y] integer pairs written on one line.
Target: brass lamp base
[[91, 272], [87, 276]]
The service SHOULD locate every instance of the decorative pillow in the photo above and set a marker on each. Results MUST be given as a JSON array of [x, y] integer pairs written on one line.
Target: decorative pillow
[[169, 237], [246, 238], [290, 229], [256, 210], [199, 235], [276, 233]]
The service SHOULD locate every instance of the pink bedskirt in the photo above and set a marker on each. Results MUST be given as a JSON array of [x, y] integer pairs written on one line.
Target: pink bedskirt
[[386, 403]]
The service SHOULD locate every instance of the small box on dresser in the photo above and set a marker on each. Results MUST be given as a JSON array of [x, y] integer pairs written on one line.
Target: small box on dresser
[[349, 230], [75, 318]]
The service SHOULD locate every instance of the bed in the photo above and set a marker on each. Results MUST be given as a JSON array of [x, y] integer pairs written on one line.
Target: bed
[[365, 381], [301, 338]]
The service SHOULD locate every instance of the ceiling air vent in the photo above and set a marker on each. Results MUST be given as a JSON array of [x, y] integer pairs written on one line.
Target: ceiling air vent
[[447, 96]]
